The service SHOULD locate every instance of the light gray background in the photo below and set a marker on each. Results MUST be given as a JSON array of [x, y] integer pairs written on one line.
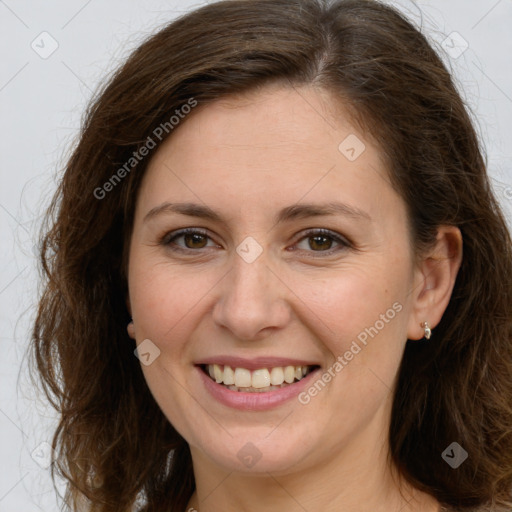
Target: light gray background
[[41, 103]]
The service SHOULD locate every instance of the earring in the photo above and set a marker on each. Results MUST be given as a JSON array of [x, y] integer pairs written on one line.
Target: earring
[[131, 329], [428, 330]]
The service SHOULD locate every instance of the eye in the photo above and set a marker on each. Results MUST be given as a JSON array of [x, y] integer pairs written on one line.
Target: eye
[[192, 238], [322, 240], [315, 240]]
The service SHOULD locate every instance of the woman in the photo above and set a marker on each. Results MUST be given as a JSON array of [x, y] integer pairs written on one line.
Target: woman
[[277, 278]]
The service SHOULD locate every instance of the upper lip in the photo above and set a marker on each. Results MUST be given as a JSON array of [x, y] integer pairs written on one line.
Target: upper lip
[[255, 363]]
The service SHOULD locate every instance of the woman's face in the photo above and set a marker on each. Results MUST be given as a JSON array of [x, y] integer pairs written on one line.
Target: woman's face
[[298, 255]]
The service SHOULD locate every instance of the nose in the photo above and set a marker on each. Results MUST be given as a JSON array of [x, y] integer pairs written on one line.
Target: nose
[[252, 301]]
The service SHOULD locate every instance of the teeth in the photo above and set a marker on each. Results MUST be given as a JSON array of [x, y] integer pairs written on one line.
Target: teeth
[[263, 379], [260, 378], [256, 390], [289, 374], [229, 376], [277, 376], [242, 378], [218, 374]]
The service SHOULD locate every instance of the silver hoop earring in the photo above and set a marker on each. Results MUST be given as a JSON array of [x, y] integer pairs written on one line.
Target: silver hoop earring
[[428, 330]]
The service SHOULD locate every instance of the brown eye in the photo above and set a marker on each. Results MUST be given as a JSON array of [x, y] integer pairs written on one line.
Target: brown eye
[[186, 240], [322, 241], [194, 240]]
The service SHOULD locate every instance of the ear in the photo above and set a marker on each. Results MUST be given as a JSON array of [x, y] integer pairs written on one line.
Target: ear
[[131, 330], [130, 327], [434, 280]]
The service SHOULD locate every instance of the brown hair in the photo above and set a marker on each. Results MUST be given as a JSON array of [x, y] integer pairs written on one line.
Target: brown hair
[[113, 443]]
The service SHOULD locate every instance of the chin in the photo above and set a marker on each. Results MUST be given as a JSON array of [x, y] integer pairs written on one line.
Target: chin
[[254, 451]]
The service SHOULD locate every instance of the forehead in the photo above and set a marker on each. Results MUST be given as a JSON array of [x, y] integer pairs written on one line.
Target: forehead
[[271, 121], [277, 144]]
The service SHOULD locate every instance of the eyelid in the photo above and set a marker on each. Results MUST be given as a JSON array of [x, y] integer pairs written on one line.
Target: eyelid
[[342, 241], [172, 235]]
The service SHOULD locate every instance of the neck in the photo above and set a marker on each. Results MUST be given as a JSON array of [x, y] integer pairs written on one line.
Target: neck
[[356, 475], [232, 491]]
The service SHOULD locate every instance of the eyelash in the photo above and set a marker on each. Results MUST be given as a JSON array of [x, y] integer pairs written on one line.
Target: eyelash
[[169, 238]]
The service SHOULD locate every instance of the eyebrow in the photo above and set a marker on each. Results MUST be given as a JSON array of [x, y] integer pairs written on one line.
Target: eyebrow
[[296, 211]]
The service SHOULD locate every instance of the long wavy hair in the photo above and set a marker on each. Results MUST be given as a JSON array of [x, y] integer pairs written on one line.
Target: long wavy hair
[[113, 444]]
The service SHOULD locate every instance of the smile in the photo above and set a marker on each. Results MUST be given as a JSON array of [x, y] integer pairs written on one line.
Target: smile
[[257, 381]]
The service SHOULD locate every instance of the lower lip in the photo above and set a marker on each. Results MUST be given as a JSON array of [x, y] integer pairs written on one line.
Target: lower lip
[[254, 401]]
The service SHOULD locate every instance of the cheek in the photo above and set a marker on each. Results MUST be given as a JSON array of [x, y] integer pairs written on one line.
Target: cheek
[[163, 296], [359, 316], [360, 320], [164, 302], [351, 301]]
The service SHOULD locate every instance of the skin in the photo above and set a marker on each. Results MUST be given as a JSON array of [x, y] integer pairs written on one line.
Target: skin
[[247, 158]]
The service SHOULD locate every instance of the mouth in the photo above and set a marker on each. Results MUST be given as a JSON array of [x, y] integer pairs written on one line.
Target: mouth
[[260, 380]]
